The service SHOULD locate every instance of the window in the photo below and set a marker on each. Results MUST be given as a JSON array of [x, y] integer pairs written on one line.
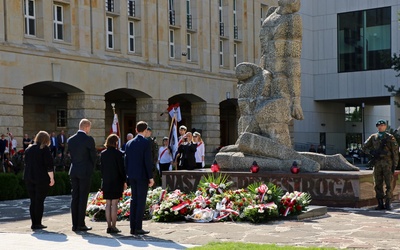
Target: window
[[171, 44], [30, 19], [110, 33], [58, 22], [189, 47], [221, 53], [131, 36], [220, 18], [171, 12], [61, 118], [364, 40], [353, 114], [235, 22], [235, 56], [188, 16], [131, 8], [110, 5]]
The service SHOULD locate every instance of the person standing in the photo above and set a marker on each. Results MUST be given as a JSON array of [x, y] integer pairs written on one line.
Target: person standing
[[200, 150], [139, 164], [129, 137], [38, 176], [186, 153], [154, 155], [61, 140], [53, 144], [26, 141], [83, 159], [164, 156], [3, 144], [384, 149], [113, 180]]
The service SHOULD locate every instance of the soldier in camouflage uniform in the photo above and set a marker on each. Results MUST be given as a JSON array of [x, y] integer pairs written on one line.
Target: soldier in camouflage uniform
[[384, 149]]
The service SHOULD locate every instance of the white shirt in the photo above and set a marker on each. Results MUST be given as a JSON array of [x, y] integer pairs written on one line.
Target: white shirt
[[166, 157], [200, 152]]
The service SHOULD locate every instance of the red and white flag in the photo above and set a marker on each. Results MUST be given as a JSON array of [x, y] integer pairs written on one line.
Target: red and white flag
[[114, 126], [173, 137], [175, 110]]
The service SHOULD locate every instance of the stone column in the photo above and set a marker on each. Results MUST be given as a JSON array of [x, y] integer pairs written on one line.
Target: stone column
[[11, 113], [92, 107], [205, 116], [150, 110]]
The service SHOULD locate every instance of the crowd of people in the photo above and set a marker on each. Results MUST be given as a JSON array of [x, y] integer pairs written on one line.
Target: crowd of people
[[138, 163]]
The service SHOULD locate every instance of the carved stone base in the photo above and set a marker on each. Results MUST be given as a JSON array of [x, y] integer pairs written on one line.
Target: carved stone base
[[328, 188]]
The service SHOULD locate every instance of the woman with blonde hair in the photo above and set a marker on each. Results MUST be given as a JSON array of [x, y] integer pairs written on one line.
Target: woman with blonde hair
[[38, 176], [113, 180], [200, 152]]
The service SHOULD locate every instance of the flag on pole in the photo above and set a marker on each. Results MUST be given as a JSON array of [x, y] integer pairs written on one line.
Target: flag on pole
[[115, 126], [115, 129], [175, 110], [173, 137]]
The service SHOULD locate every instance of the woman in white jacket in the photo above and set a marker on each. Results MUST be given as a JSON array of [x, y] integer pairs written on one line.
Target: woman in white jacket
[[200, 152]]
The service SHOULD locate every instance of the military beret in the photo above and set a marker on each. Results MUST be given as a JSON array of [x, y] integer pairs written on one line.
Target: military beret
[[380, 122]]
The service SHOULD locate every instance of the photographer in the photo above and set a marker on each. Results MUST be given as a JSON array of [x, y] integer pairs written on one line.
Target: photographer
[[384, 150], [186, 153]]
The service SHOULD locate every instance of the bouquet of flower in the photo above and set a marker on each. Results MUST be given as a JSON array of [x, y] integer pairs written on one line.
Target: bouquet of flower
[[173, 207], [96, 207], [201, 215], [124, 205], [260, 212], [294, 203], [214, 184], [154, 198], [266, 192]]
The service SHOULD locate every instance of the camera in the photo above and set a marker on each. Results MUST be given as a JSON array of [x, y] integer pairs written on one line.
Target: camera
[[185, 139]]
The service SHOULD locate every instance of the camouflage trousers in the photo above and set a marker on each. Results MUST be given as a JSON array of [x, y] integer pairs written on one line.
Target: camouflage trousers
[[383, 175]]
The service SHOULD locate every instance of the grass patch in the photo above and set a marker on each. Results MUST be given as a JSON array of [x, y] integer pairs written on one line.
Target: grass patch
[[252, 246]]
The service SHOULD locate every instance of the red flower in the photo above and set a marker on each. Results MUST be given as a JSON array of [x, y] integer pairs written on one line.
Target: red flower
[[298, 207]]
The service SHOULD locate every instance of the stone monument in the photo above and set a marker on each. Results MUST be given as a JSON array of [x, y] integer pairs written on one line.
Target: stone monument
[[269, 99]]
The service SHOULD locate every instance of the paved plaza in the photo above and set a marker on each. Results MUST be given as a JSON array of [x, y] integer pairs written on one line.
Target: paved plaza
[[349, 228]]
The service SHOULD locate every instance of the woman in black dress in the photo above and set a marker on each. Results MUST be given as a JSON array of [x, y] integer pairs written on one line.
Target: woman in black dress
[[113, 180], [38, 176]]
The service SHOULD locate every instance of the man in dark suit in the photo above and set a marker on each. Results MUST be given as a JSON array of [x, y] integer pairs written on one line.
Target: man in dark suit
[[61, 140], [53, 144], [139, 164], [83, 159]]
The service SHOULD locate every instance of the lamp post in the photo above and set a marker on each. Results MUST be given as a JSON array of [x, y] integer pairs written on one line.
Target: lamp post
[[363, 127]]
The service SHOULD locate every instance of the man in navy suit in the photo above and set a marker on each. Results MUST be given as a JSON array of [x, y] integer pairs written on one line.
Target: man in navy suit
[[139, 166], [53, 144], [83, 159]]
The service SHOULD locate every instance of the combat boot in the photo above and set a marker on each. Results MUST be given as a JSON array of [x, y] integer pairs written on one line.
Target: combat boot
[[388, 206], [380, 205]]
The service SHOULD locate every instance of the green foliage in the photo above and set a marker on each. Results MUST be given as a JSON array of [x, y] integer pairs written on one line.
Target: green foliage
[[9, 186], [95, 184], [12, 186]]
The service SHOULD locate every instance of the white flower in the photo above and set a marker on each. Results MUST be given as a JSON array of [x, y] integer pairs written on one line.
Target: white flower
[[176, 212], [222, 185], [269, 192], [166, 212]]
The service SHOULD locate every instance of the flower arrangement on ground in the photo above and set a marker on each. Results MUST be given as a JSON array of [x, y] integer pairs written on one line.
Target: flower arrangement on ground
[[213, 201]]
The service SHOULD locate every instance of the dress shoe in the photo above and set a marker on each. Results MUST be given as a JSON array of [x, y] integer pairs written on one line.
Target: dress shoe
[[38, 226], [141, 231], [83, 228]]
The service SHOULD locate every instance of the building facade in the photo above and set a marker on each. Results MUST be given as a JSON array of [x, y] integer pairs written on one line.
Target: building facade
[[346, 47], [63, 60]]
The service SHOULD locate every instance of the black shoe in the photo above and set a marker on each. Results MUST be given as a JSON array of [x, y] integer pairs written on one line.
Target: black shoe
[[108, 230], [38, 226], [141, 231], [83, 228], [114, 230], [74, 229]]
